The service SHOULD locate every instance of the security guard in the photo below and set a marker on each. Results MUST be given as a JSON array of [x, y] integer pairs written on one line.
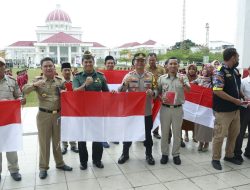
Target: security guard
[[226, 103], [157, 71], [48, 88], [140, 80], [9, 90], [90, 80], [67, 84], [171, 87]]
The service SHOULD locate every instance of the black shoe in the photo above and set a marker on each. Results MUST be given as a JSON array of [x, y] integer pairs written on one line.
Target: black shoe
[[84, 166], [156, 135], [64, 151], [216, 164], [43, 174], [123, 159], [74, 149], [233, 160], [105, 144], [16, 176], [239, 157], [183, 145], [247, 155], [65, 168], [98, 164], [177, 160], [164, 159], [116, 142], [150, 160]]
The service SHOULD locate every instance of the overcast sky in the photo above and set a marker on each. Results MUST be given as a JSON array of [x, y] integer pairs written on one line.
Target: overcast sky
[[114, 22]]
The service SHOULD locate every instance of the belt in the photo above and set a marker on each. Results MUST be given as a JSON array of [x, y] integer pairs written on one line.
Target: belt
[[49, 111], [171, 106]]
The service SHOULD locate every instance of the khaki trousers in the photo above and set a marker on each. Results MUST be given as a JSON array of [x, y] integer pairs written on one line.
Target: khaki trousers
[[12, 162], [49, 128], [226, 124], [168, 117]]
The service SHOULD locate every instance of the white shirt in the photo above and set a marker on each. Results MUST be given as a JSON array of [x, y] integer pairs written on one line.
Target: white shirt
[[245, 86]]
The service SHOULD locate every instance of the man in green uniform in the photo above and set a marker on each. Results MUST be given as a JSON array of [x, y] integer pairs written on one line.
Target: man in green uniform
[[9, 90], [90, 80], [48, 88]]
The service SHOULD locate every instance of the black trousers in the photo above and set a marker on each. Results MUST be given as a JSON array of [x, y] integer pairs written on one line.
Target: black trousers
[[244, 123], [97, 150], [148, 143]]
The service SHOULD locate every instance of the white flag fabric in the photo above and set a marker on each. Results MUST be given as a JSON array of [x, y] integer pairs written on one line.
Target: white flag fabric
[[10, 126]]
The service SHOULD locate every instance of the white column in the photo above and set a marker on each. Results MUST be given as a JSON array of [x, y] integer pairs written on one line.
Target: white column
[[37, 56], [79, 51], [243, 33], [69, 54], [58, 54], [47, 51]]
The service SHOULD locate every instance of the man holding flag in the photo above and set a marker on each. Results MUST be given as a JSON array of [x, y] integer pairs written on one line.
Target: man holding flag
[[140, 80], [9, 90], [90, 80]]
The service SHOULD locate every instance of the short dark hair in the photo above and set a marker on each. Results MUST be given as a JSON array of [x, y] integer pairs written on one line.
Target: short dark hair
[[109, 57], [166, 62], [228, 53], [46, 59], [152, 55]]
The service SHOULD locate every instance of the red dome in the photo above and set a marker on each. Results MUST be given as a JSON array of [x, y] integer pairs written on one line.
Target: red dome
[[58, 15]]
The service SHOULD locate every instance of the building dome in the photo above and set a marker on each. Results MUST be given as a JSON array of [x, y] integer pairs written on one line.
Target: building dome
[[58, 15]]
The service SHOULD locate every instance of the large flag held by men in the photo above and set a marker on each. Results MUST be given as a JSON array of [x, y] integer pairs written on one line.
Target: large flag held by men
[[102, 116], [10, 126]]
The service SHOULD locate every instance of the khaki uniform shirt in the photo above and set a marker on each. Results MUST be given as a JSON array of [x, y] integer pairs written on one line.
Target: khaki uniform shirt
[[139, 83], [49, 94], [166, 83], [157, 72], [9, 88]]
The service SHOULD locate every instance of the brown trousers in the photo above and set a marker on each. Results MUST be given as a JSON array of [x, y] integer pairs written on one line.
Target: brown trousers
[[226, 124], [49, 128]]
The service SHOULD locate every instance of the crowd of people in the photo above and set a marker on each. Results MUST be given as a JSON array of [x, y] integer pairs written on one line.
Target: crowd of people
[[162, 85]]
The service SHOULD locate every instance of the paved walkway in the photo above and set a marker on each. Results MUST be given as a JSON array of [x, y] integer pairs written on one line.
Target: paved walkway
[[194, 173]]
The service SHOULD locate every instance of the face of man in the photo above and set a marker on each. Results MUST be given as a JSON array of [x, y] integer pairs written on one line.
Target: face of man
[[110, 64], [66, 73], [236, 60], [88, 65], [140, 64], [173, 66], [48, 69], [152, 61]]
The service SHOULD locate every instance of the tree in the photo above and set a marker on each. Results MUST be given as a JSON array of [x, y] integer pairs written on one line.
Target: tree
[[185, 45]]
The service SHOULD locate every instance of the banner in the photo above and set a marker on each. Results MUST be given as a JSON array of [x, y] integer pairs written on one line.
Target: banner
[[102, 116], [10, 126]]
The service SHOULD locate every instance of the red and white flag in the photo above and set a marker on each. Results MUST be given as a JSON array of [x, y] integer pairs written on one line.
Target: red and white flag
[[102, 116], [198, 106], [10, 126]]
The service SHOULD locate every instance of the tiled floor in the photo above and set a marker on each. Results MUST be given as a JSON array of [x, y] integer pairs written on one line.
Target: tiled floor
[[194, 173]]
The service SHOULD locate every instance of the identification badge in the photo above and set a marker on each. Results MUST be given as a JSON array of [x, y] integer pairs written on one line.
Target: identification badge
[[228, 75]]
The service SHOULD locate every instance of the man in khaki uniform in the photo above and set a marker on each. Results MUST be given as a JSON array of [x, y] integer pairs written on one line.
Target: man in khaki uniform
[[157, 71], [48, 88], [9, 90], [171, 87], [140, 80]]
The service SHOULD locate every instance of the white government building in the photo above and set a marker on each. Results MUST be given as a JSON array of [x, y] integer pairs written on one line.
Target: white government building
[[58, 39]]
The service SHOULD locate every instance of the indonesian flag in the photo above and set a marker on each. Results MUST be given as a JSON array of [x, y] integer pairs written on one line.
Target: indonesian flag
[[103, 116], [10, 126], [198, 106]]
